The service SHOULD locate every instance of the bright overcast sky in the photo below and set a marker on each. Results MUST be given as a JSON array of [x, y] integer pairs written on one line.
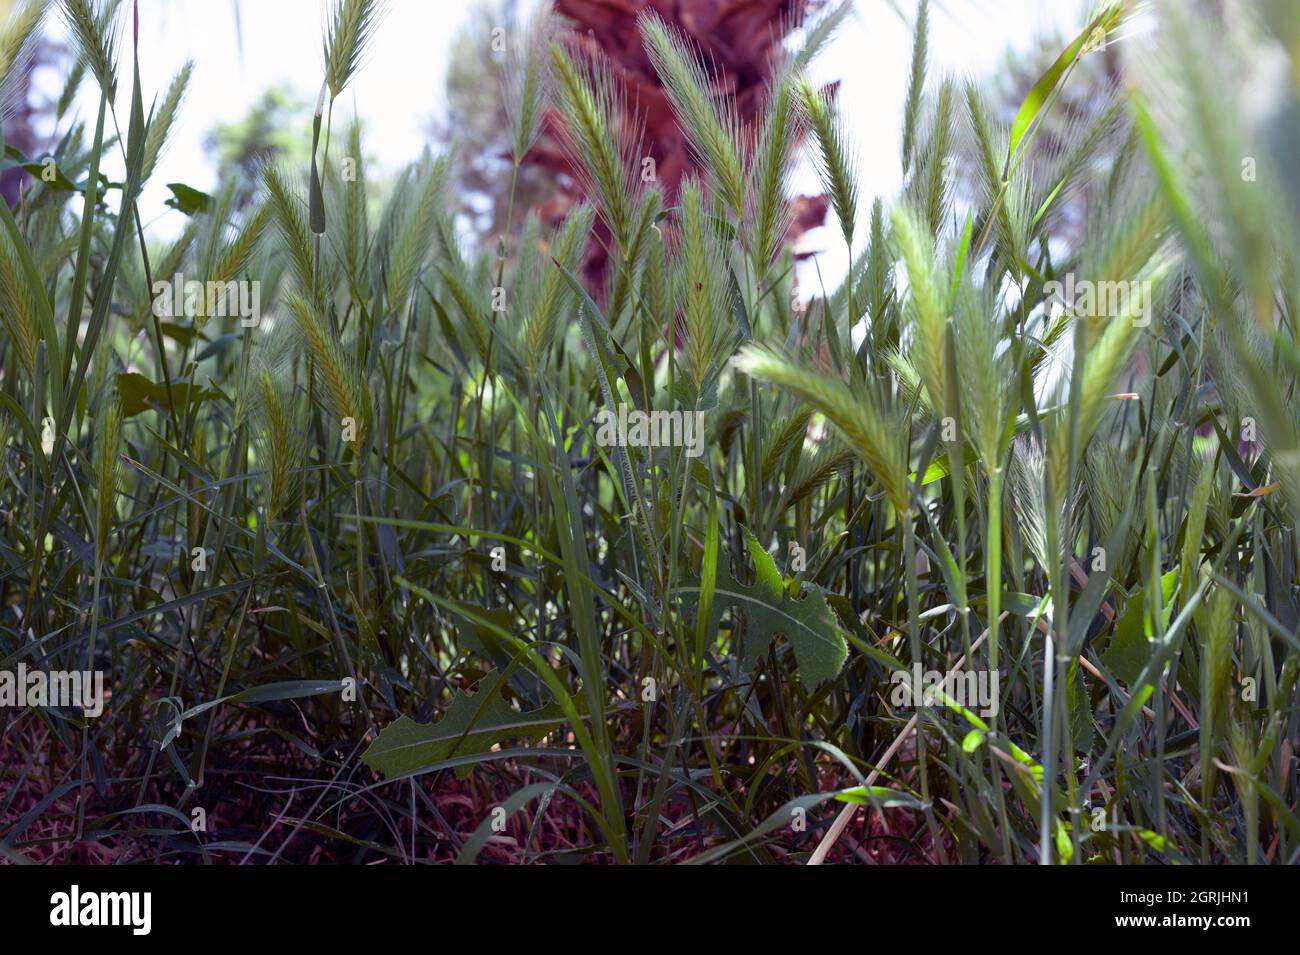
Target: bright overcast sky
[[400, 85]]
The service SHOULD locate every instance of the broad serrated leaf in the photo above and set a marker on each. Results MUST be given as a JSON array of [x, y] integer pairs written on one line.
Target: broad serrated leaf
[[1082, 730], [806, 621], [187, 199], [139, 394], [473, 724], [1130, 648]]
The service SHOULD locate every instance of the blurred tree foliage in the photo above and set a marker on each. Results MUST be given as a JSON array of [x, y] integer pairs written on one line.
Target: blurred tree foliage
[[271, 131], [1093, 91], [23, 107], [742, 39]]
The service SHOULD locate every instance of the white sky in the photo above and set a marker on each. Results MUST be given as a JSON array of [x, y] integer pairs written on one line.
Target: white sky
[[399, 87]]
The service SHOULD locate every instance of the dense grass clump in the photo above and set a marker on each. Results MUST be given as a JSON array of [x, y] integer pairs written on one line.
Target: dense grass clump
[[436, 552]]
